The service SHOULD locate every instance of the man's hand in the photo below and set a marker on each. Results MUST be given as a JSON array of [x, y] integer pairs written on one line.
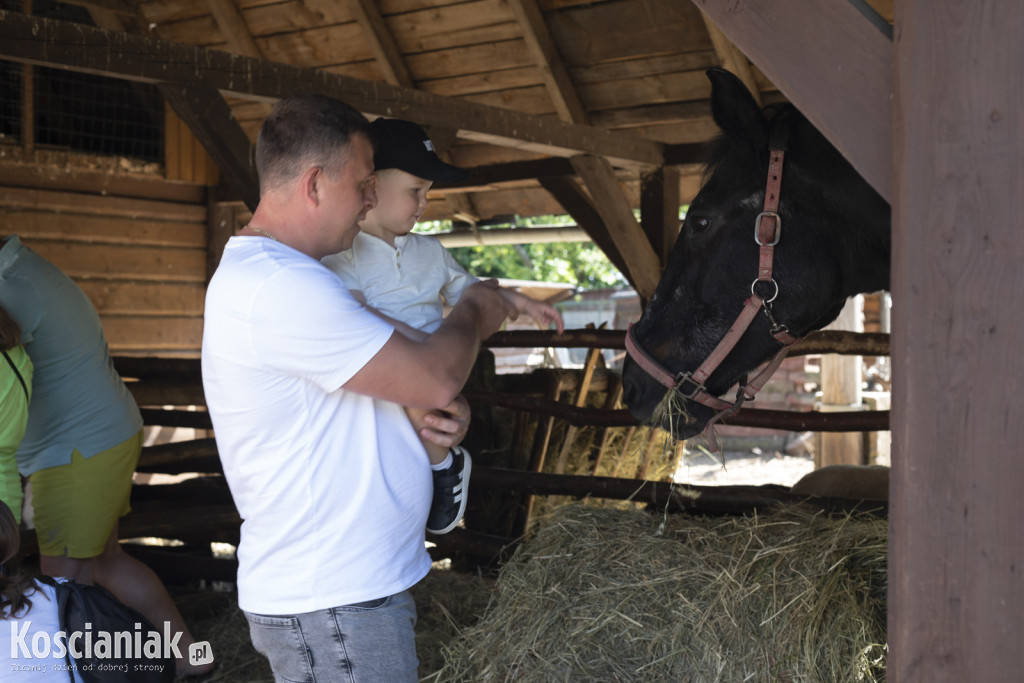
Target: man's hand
[[447, 427]]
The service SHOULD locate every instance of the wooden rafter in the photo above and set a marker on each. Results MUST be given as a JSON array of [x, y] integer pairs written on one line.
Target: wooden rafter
[[115, 6], [578, 205], [818, 53], [730, 57], [234, 29], [615, 210], [382, 42], [545, 54], [462, 208], [121, 55], [659, 210]]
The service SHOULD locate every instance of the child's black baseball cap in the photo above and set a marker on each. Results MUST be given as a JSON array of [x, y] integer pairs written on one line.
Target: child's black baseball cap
[[404, 145]]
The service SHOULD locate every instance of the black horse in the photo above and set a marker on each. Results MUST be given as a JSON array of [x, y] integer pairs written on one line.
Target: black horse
[[831, 241]]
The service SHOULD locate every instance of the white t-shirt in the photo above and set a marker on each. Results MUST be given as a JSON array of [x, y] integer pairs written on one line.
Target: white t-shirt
[[333, 487], [406, 281], [18, 638]]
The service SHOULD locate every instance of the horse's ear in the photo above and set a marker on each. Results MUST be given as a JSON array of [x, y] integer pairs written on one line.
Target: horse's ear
[[735, 110]]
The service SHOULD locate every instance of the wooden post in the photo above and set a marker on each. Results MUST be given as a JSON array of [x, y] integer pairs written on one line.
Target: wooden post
[[625, 449], [578, 401], [841, 391], [614, 396], [956, 550], [540, 447]]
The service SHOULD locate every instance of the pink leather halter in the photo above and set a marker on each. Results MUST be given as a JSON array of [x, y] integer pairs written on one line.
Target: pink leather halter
[[690, 385]]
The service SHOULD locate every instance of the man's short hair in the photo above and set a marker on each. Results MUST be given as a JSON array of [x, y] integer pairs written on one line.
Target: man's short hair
[[302, 131]]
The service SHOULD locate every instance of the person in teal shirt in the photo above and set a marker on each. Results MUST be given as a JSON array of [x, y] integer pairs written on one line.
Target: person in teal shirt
[[82, 440]]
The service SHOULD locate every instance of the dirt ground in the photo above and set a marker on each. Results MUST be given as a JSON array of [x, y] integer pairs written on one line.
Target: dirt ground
[[743, 468]]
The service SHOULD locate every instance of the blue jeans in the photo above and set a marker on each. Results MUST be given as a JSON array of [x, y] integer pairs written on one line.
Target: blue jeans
[[368, 642]]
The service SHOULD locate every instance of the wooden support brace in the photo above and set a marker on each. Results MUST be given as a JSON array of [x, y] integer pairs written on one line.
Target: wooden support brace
[[614, 207]]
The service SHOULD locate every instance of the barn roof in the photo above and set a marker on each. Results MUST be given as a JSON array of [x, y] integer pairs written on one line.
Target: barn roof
[[590, 107]]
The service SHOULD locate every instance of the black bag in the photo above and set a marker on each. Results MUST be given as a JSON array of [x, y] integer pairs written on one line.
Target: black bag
[[98, 626]]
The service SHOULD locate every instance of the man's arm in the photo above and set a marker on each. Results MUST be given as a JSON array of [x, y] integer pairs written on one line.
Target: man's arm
[[430, 373]]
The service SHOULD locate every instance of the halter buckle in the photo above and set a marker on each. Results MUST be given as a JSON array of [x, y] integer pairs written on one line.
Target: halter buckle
[[683, 377], [777, 235]]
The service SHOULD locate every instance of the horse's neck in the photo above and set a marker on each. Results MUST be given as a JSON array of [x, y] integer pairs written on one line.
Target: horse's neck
[[870, 243]]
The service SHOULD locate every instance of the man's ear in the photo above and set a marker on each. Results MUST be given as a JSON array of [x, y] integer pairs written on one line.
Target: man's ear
[[311, 184]]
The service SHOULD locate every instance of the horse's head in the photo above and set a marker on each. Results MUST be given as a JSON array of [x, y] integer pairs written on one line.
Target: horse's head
[[833, 243]]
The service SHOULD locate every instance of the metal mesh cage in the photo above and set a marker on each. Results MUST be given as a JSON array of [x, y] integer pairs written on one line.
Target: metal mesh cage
[[78, 111]]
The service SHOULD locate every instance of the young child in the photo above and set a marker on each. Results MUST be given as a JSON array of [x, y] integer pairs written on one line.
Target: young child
[[24, 600], [408, 278]]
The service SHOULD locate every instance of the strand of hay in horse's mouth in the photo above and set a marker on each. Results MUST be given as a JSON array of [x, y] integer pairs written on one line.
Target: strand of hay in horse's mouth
[[671, 407], [600, 594]]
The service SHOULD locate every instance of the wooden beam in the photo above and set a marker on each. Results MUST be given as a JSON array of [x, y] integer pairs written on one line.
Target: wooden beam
[[659, 210], [460, 204], [106, 183], [120, 55], [115, 6], [666, 496], [512, 172], [831, 62], [578, 205], [956, 598], [209, 117], [382, 42], [544, 52], [730, 58], [234, 29], [479, 238], [220, 227], [615, 210]]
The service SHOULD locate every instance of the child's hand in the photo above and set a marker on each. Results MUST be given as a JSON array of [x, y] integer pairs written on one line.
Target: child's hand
[[544, 313]]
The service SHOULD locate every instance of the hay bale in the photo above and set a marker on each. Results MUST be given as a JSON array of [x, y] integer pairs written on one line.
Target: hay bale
[[446, 602], [621, 595]]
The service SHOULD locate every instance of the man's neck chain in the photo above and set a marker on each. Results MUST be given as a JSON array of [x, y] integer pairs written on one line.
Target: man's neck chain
[[263, 232]]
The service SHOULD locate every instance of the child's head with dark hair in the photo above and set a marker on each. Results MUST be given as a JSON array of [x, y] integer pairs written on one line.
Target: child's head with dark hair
[[15, 586]]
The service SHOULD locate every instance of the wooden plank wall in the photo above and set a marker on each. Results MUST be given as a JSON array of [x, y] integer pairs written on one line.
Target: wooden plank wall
[[184, 156], [136, 244]]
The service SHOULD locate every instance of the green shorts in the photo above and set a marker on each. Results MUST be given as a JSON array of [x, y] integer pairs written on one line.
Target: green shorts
[[76, 506]]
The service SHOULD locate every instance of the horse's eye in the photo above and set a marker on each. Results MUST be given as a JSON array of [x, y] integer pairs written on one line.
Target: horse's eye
[[700, 224]]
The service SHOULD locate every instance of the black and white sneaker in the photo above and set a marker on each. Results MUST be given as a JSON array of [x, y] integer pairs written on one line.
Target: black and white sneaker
[[450, 488]]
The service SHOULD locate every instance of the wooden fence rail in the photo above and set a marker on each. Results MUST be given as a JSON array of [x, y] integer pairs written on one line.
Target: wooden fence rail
[[200, 510]]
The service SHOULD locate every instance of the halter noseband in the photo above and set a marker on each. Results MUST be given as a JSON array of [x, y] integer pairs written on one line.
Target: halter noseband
[[767, 232]]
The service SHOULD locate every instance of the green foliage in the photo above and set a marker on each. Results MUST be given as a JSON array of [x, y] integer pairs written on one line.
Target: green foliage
[[577, 263], [581, 264]]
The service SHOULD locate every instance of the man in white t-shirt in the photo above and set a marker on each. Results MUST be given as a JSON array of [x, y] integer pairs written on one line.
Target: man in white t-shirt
[[305, 388]]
